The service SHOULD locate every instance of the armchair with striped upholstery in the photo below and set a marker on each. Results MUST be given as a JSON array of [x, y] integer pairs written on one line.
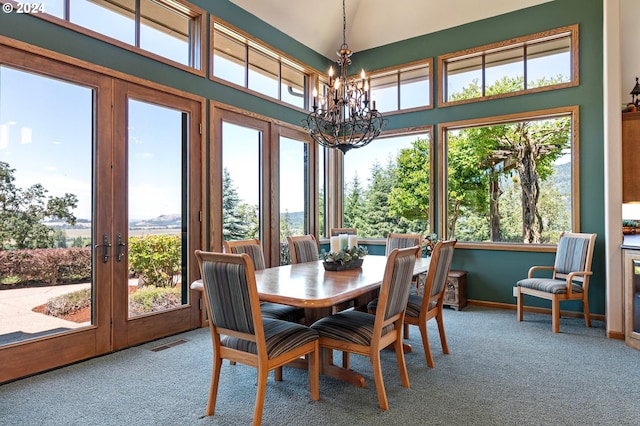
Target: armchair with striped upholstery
[[569, 277]]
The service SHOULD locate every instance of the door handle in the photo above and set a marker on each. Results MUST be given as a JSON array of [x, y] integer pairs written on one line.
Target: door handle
[[119, 245], [105, 248]]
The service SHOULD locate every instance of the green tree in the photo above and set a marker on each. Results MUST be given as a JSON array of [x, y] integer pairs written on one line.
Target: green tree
[[233, 226], [409, 197], [378, 222], [23, 213], [353, 205]]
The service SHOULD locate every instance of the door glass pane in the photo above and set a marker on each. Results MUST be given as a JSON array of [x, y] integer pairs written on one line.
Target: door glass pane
[[156, 207], [46, 139], [241, 182], [293, 193]]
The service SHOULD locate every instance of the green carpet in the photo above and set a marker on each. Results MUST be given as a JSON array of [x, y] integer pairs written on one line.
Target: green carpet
[[499, 372]]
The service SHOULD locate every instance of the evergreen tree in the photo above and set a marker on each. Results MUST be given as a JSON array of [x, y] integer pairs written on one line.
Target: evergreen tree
[[353, 205], [233, 226]]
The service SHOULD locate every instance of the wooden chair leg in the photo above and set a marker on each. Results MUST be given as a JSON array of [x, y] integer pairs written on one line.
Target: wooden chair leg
[[585, 309], [313, 360], [519, 303], [377, 378], [443, 337], [555, 315], [425, 344], [406, 330], [402, 365], [277, 374], [263, 375], [213, 388]]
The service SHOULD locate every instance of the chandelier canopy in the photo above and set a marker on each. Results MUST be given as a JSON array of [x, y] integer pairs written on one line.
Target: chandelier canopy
[[345, 117]]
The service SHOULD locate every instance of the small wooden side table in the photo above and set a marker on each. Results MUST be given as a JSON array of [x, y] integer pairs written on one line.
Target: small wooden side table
[[455, 294]]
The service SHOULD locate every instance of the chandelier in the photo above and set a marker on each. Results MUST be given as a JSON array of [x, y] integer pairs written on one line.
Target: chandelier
[[346, 116]]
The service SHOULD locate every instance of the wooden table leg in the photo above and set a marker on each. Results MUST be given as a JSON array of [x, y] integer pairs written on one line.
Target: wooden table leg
[[340, 373]]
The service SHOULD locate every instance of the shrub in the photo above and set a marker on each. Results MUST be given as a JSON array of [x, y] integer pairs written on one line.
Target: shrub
[[155, 259], [151, 299], [49, 266], [68, 303]]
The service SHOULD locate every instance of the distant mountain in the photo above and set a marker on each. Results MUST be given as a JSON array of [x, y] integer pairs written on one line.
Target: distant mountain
[[165, 220]]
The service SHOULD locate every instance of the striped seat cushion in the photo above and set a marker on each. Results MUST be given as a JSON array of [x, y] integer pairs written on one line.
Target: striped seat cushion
[[281, 312], [280, 337], [548, 285], [414, 305], [306, 251], [349, 326]]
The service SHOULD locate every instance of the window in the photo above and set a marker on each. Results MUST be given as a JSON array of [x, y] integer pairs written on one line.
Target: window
[[542, 61], [388, 186], [511, 179], [170, 29], [240, 60], [402, 88]]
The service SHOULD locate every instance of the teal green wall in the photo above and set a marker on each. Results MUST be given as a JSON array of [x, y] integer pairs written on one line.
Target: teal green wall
[[491, 273]]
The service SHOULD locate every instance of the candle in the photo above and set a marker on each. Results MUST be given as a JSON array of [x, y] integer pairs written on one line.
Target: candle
[[335, 245], [353, 240], [344, 241], [315, 98]]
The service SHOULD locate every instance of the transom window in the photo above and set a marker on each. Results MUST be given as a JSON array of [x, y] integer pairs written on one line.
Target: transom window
[[171, 29], [240, 60], [402, 88], [542, 61]]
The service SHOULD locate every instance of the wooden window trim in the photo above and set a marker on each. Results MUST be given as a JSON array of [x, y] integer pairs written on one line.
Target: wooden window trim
[[571, 30], [264, 48], [199, 49], [572, 111]]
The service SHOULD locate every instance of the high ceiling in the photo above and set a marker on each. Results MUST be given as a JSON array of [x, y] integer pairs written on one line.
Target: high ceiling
[[372, 23]]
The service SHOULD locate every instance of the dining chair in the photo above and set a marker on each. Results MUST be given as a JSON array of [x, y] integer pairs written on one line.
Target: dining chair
[[569, 277], [240, 333], [367, 334], [395, 240], [334, 232], [423, 307], [253, 248], [303, 248]]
